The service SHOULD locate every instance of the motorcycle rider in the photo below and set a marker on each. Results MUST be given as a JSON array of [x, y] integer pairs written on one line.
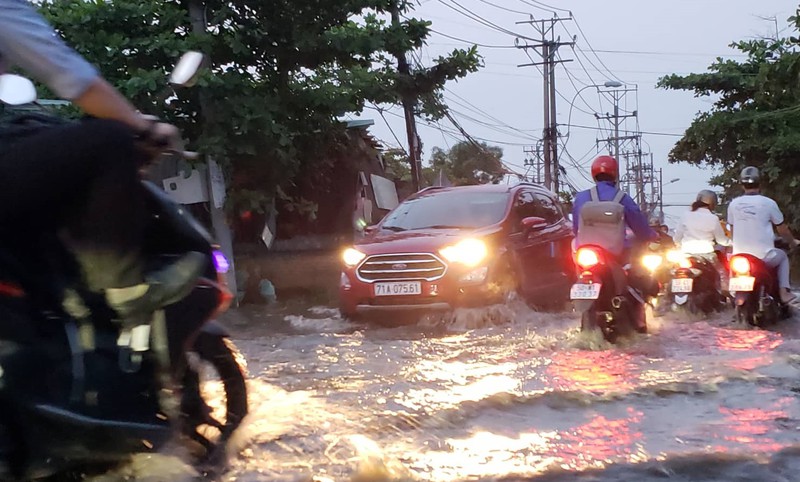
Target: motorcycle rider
[[605, 172], [700, 229], [752, 217], [84, 177]]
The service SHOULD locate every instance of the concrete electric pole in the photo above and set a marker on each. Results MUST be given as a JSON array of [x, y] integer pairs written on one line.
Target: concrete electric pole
[[409, 104], [547, 49]]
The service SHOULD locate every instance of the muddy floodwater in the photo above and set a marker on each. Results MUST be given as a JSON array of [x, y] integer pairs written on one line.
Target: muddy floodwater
[[511, 394]]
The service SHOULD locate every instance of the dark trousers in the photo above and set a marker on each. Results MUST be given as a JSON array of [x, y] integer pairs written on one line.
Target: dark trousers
[[82, 179]]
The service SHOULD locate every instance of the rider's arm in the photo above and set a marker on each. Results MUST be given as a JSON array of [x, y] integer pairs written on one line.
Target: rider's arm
[[576, 209], [679, 230], [786, 234], [637, 221], [719, 235], [776, 216], [27, 41]]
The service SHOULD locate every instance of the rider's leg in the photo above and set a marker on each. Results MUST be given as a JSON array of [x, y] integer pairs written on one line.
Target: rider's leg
[[776, 258], [84, 177]]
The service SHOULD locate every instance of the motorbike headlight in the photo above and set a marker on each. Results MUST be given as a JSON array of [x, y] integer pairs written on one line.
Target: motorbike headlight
[[470, 252], [674, 256], [352, 257], [652, 261]]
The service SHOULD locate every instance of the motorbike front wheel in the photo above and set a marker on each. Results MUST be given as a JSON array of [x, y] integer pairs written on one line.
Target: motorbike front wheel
[[224, 358]]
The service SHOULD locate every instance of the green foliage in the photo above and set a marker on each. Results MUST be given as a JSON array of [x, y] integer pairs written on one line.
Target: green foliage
[[754, 121], [469, 163], [280, 74]]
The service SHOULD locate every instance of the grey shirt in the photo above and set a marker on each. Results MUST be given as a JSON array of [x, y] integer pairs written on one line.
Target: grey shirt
[[28, 42]]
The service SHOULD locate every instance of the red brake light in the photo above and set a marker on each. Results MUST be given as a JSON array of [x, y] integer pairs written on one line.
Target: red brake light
[[587, 258], [685, 263], [740, 265]]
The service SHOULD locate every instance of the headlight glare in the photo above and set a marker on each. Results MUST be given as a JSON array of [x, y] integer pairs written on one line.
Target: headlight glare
[[469, 252], [652, 261], [352, 257]]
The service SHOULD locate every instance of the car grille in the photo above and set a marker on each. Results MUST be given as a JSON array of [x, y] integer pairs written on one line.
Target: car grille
[[383, 267]]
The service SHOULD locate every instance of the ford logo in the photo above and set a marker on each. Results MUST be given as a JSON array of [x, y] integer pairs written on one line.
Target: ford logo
[[399, 266]]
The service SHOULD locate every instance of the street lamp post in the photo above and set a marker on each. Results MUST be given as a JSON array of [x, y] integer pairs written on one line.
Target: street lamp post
[[661, 196]]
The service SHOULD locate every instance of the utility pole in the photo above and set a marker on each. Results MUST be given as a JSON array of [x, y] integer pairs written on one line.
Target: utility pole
[[616, 119], [547, 49], [534, 161], [409, 103]]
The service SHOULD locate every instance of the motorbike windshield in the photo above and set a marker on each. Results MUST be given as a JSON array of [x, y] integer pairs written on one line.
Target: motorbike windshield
[[449, 210]]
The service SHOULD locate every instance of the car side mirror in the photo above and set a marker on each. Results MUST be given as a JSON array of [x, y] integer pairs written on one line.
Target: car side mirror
[[532, 224], [371, 229], [16, 90]]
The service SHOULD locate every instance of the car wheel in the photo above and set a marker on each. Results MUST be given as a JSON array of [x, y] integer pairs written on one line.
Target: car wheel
[[504, 287]]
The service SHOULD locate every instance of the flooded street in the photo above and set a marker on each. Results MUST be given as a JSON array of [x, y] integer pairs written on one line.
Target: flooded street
[[513, 394]]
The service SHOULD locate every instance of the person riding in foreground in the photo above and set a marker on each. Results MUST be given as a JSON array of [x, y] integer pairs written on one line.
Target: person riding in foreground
[[752, 217], [605, 172], [83, 177], [700, 230]]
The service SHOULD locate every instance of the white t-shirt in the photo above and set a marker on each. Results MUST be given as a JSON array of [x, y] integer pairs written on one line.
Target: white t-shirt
[[698, 231], [752, 217]]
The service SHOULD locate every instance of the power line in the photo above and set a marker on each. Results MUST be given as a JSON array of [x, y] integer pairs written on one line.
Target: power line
[[458, 8], [669, 134], [543, 6], [487, 2], [380, 111], [473, 43]]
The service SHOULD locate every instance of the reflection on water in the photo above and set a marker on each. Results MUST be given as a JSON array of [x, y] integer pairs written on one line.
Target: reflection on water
[[592, 371], [346, 402]]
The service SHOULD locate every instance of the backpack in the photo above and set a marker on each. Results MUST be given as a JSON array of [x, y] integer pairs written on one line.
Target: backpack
[[602, 223]]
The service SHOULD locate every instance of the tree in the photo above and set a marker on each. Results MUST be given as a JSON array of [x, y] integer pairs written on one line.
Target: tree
[[280, 74], [754, 121], [469, 163]]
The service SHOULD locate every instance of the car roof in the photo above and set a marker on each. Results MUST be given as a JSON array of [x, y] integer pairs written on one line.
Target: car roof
[[499, 188]]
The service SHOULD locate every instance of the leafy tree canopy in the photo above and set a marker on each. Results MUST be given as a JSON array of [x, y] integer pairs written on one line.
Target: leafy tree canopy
[[755, 119], [281, 72], [469, 163]]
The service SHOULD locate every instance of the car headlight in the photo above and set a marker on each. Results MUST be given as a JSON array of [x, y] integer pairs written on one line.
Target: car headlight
[[652, 261], [352, 257], [469, 252]]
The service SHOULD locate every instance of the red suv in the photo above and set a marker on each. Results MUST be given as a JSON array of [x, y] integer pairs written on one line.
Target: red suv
[[461, 246]]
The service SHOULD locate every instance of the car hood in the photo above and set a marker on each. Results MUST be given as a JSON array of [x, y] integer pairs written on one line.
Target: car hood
[[416, 241]]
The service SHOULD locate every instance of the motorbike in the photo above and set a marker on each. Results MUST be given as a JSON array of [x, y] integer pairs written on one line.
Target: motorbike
[[611, 297], [79, 388], [694, 284], [756, 294]]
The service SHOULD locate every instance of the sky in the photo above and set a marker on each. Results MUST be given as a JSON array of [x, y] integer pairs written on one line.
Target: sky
[[633, 41]]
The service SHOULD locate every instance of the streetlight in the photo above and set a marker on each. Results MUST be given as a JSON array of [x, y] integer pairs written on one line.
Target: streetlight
[[610, 84]]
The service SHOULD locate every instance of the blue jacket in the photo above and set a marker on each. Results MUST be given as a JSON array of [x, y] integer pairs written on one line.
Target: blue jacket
[[634, 218]]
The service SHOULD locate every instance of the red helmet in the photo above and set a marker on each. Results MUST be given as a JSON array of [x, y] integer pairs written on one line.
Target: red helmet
[[605, 165]]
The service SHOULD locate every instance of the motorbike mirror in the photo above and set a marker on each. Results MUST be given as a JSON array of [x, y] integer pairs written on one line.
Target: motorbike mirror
[[185, 72], [16, 90]]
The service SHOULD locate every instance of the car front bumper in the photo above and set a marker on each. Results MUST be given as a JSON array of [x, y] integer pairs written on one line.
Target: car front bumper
[[358, 297]]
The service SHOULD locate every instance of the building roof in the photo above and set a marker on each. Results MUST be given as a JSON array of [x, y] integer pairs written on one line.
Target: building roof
[[359, 123]]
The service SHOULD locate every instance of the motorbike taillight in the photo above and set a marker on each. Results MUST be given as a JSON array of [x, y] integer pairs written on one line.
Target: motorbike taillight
[[587, 257], [740, 265]]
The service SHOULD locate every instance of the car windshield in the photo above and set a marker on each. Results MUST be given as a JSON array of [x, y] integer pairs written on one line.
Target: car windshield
[[451, 209]]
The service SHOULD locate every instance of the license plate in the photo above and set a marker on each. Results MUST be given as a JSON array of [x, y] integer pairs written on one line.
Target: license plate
[[584, 291], [682, 285], [398, 288], [742, 283]]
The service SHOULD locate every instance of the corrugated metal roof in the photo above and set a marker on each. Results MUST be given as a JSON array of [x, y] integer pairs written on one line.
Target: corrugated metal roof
[[355, 124]]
